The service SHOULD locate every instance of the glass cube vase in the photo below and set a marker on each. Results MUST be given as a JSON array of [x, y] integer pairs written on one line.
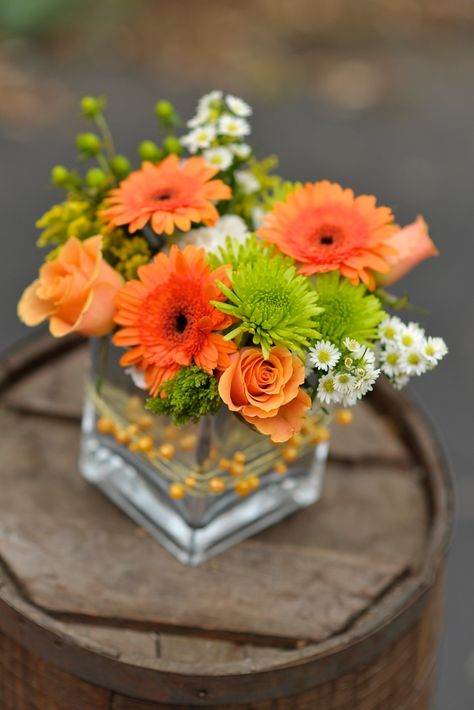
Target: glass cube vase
[[197, 489]]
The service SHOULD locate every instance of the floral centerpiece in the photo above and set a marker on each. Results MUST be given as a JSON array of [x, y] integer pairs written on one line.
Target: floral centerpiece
[[233, 314]]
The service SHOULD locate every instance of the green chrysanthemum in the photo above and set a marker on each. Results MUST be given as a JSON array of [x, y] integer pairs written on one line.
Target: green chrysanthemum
[[234, 252], [190, 394], [349, 311], [272, 303]]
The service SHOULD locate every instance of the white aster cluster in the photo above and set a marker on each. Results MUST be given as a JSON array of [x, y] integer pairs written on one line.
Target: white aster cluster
[[218, 129], [345, 375], [348, 374], [211, 238], [405, 351]]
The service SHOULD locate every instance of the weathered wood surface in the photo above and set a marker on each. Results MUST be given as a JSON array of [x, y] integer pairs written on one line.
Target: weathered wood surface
[[323, 593]]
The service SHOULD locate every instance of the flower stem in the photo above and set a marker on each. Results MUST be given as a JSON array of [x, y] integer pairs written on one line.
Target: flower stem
[[106, 135], [103, 357], [204, 437]]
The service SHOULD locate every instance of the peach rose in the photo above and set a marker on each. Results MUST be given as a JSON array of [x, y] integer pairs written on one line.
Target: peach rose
[[75, 291], [266, 392], [413, 245]]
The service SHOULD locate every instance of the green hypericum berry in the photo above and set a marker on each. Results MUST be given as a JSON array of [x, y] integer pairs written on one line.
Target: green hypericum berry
[[60, 175], [96, 178], [148, 150], [120, 166], [92, 106], [166, 114], [164, 110], [172, 145], [88, 143]]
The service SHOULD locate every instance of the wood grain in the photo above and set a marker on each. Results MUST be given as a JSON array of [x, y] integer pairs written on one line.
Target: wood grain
[[333, 608]]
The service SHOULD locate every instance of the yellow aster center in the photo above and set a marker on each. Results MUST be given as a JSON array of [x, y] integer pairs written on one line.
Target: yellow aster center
[[407, 339], [392, 358], [328, 386], [414, 359]]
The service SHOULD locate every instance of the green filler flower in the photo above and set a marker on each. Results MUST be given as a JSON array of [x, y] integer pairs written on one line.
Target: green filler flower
[[190, 394], [349, 311], [271, 302]]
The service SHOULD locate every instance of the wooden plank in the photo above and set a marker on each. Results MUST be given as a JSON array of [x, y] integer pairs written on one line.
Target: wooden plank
[[54, 389], [76, 556], [372, 437], [370, 549]]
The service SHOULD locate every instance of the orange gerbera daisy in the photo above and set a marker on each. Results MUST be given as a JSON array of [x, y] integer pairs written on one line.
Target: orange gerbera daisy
[[168, 320], [168, 195], [325, 227]]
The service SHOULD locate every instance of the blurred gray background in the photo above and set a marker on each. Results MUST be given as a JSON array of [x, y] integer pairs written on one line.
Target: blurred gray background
[[377, 96]]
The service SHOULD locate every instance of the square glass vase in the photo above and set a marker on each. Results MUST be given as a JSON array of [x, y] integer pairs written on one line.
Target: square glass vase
[[200, 488]]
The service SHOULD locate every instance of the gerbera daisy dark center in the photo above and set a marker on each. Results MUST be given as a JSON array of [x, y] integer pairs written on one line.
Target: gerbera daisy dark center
[[163, 195], [181, 323], [328, 235], [326, 239]]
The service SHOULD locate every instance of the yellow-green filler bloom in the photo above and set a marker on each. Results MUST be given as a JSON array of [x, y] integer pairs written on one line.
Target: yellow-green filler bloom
[[348, 311], [270, 301]]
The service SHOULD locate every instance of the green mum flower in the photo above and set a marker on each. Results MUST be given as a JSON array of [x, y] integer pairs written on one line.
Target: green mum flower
[[235, 253], [349, 311], [272, 302], [190, 394]]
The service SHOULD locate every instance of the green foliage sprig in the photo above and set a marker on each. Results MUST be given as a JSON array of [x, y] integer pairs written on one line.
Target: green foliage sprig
[[190, 394]]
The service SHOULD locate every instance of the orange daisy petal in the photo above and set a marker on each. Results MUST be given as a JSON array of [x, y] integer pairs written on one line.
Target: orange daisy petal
[[325, 227], [169, 195], [167, 318]]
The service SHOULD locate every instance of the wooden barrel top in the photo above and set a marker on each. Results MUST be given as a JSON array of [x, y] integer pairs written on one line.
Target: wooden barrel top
[[328, 588]]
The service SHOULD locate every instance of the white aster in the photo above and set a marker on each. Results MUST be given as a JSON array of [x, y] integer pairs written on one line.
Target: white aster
[[413, 361], [199, 138], [410, 335], [344, 383], [232, 126], [327, 393], [365, 380], [219, 157], [201, 117], [351, 344], [389, 329], [208, 101], [211, 238], [400, 381], [390, 359], [365, 355], [239, 107], [207, 109], [324, 355], [246, 181], [241, 150], [434, 349]]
